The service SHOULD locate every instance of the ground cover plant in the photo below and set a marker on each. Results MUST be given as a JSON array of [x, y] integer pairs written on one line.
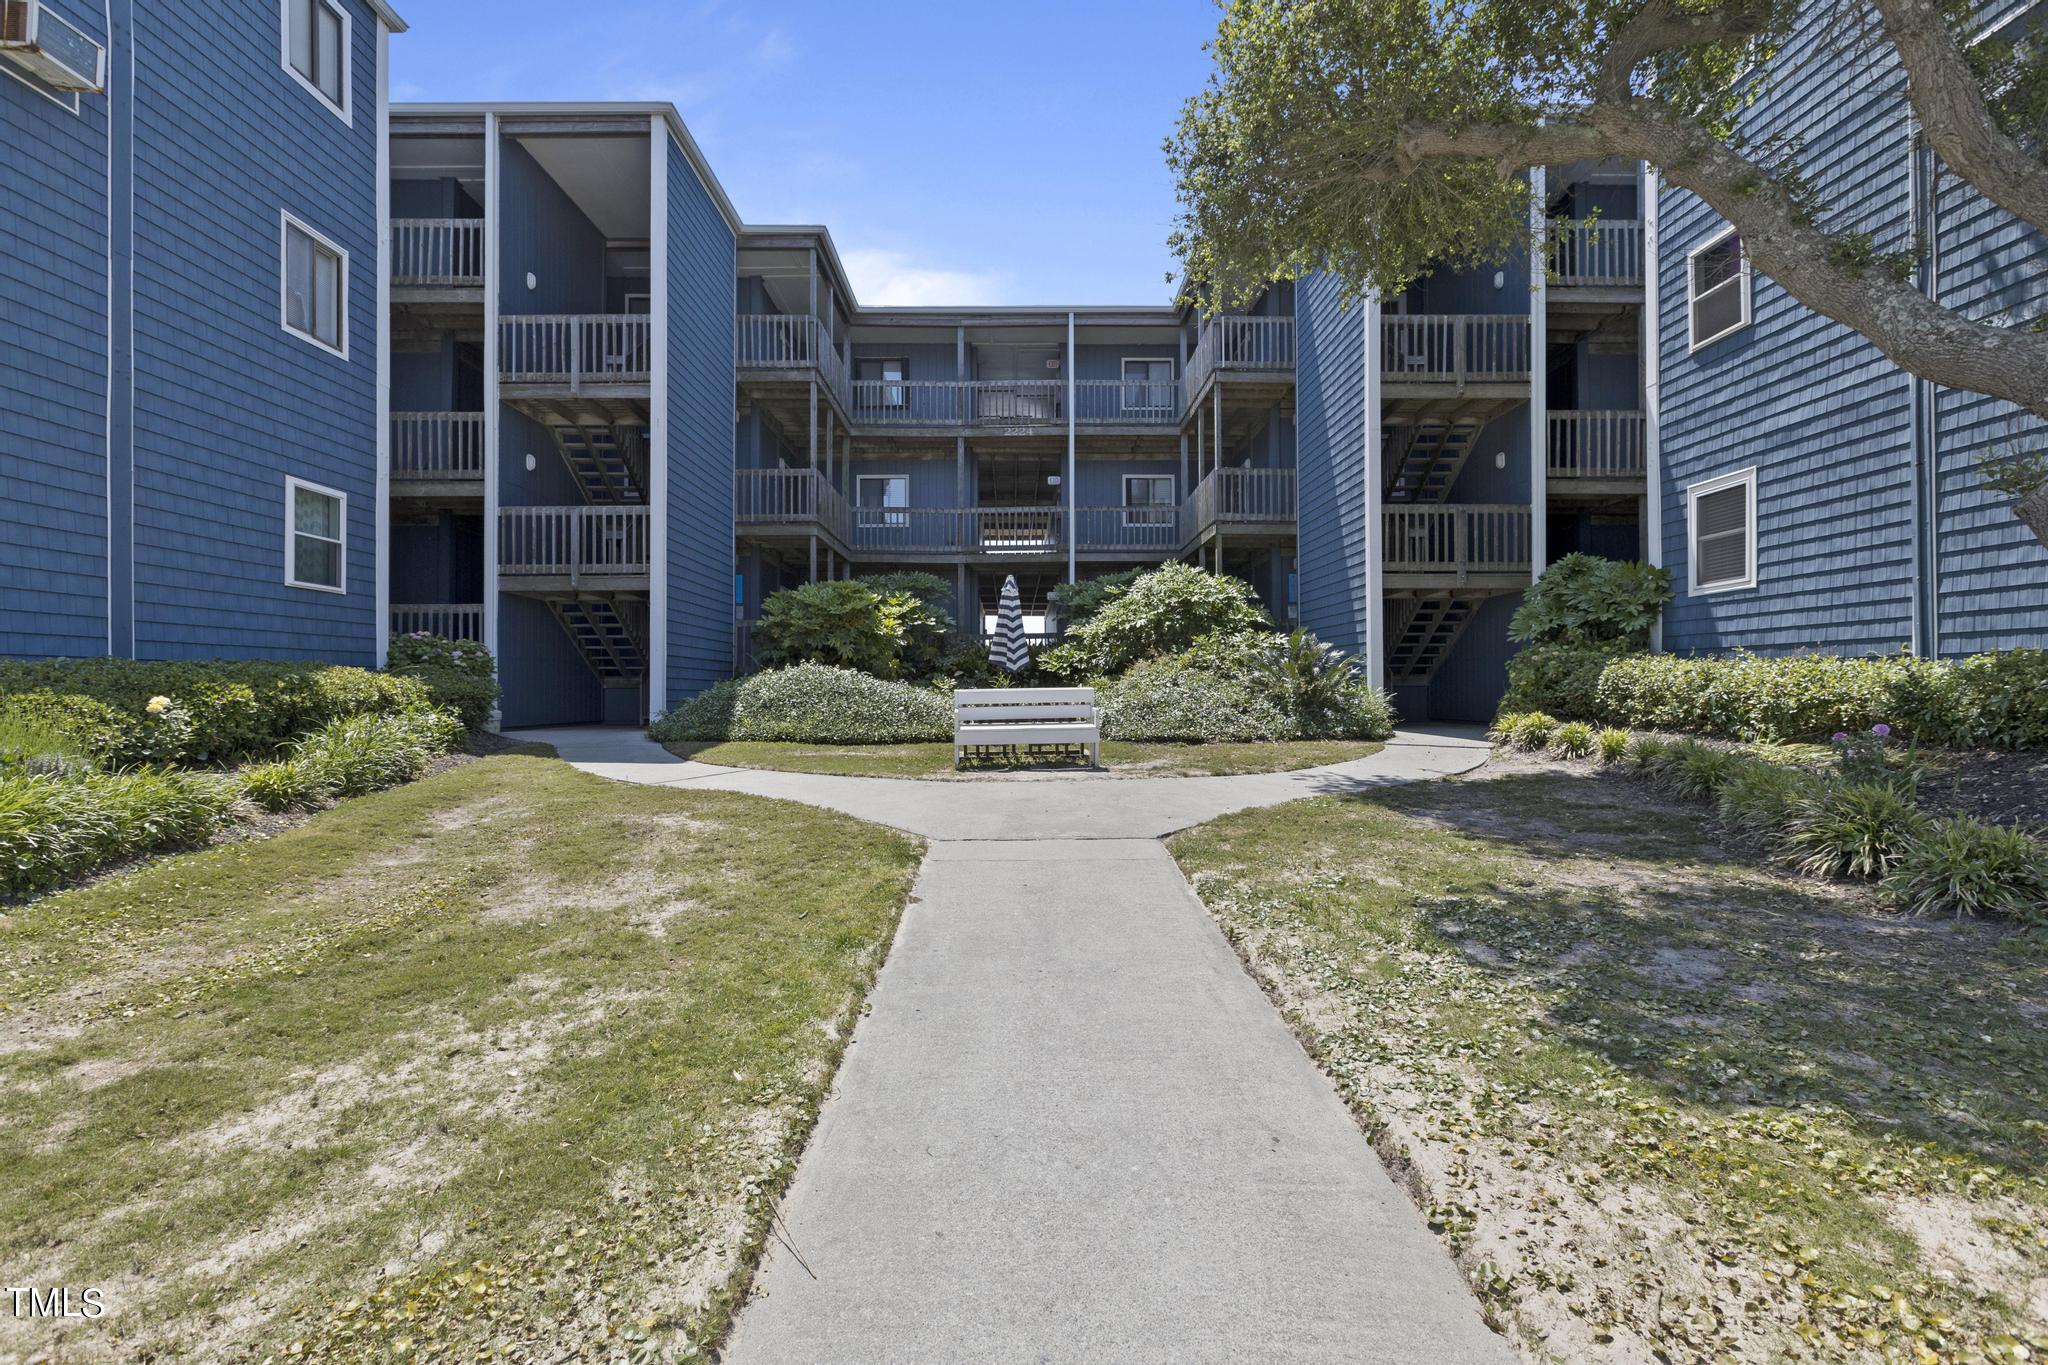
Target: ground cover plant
[[508, 1062], [1121, 759], [810, 703], [1662, 1102]]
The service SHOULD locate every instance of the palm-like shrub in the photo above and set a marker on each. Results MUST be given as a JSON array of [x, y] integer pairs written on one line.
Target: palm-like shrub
[[1851, 829], [1965, 867], [846, 623], [1075, 603]]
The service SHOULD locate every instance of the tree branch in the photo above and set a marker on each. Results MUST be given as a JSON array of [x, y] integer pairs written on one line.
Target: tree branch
[[1958, 123], [1660, 27], [1512, 148]]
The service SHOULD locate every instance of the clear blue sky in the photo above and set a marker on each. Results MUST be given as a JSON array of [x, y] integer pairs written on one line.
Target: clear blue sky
[[960, 152]]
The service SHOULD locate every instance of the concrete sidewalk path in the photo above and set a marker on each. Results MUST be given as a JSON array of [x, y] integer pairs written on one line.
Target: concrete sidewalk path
[[1071, 1128]]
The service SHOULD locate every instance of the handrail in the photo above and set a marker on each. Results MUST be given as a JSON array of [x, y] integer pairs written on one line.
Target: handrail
[[1239, 494], [790, 341], [575, 348], [1596, 444], [449, 620], [1596, 252], [572, 541], [786, 496], [1456, 538], [437, 445], [1237, 342], [437, 252], [1456, 346]]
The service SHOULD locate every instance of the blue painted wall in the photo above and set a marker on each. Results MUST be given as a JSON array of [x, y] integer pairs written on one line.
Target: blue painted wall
[[53, 364], [701, 262], [1330, 456], [544, 234]]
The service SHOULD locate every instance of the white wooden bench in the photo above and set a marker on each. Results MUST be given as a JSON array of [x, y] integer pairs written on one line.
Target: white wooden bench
[[1006, 717]]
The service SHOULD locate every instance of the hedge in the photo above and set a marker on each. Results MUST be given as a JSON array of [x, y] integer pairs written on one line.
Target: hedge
[[1164, 701], [55, 829], [811, 704], [219, 710], [1992, 701]]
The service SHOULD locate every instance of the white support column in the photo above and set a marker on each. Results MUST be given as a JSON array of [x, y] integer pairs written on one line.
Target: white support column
[[657, 421], [493, 219], [1185, 486], [1216, 425], [382, 510], [1652, 364], [811, 425], [1539, 386], [1073, 492], [1375, 498]]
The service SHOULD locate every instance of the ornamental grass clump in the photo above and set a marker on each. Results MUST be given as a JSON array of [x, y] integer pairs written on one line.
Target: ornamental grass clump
[[1573, 739], [369, 753], [1850, 829], [54, 829], [1968, 868], [1531, 730], [1757, 799], [1697, 771], [1610, 745]]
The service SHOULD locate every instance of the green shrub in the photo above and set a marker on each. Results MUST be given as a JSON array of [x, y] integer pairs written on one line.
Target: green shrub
[[1757, 798], [1853, 829], [359, 754], [1611, 745], [927, 630], [1962, 866], [284, 785], [1561, 679], [1574, 739], [811, 704], [1164, 700], [1647, 751], [458, 675], [1583, 599], [471, 699], [1696, 770], [1074, 603], [1325, 691], [1532, 730], [1162, 612], [1987, 701], [55, 829], [847, 624], [210, 711]]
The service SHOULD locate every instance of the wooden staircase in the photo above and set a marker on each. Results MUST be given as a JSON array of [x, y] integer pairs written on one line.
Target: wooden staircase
[[1422, 633], [609, 463], [1424, 461], [608, 633]]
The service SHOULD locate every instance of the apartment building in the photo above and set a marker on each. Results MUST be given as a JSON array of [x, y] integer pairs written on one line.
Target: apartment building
[[191, 327]]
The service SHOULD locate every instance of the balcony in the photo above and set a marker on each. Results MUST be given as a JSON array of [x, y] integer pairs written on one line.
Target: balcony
[[1006, 533], [578, 352], [437, 454], [553, 548], [1467, 544], [1247, 347], [1596, 253], [791, 501], [1012, 404], [449, 620], [794, 345], [1239, 499], [1596, 452], [1457, 349], [437, 253]]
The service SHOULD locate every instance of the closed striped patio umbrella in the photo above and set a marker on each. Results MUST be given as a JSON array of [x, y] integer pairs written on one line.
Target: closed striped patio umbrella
[[1006, 648]]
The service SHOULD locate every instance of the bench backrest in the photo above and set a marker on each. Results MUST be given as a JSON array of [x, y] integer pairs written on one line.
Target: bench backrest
[[986, 705]]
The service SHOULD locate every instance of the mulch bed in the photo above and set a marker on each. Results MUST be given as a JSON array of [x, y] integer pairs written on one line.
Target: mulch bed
[[2004, 788]]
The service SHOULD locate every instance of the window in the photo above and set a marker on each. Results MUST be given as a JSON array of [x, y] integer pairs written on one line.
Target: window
[[1148, 500], [888, 373], [1148, 386], [1720, 519], [316, 36], [316, 534], [639, 305], [315, 287], [1717, 288], [883, 491]]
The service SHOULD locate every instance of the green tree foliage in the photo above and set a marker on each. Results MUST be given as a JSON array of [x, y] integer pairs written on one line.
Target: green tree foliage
[[1585, 600], [848, 624], [1161, 612]]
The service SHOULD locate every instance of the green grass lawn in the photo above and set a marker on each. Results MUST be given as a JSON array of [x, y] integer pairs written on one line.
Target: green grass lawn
[[510, 1058], [1663, 1103], [936, 760]]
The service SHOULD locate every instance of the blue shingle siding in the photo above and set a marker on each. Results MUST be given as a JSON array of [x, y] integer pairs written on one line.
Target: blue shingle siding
[[53, 354], [227, 403], [544, 234], [702, 258], [1826, 419], [1330, 452]]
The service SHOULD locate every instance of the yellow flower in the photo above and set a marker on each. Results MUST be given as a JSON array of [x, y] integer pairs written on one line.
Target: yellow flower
[[159, 705]]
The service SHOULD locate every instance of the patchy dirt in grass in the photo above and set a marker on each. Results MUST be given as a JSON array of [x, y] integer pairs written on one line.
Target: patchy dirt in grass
[[1664, 1103]]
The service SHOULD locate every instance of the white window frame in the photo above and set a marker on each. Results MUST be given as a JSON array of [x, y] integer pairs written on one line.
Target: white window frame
[[292, 486], [286, 222], [894, 394], [67, 100], [343, 111], [1165, 386], [891, 516], [1150, 513], [1745, 478], [1742, 282]]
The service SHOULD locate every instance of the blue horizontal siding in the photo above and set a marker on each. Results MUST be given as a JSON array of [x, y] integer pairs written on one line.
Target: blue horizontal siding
[[1330, 432]]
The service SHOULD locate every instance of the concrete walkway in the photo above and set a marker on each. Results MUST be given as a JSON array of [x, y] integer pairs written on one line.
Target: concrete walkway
[[1071, 1128]]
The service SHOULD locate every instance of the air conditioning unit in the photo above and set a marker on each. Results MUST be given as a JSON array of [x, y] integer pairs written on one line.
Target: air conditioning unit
[[50, 47]]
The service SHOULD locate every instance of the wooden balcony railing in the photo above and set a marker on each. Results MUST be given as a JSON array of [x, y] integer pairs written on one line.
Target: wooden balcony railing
[[1154, 530], [791, 497], [444, 253], [1458, 347], [449, 620], [1126, 402], [789, 341], [579, 350], [1460, 538], [1590, 444], [437, 445], [1238, 343], [1596, 252], [572, 541]]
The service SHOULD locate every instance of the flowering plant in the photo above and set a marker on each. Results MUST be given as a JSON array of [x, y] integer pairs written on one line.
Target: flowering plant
[[1870, 756], [166, 731]]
